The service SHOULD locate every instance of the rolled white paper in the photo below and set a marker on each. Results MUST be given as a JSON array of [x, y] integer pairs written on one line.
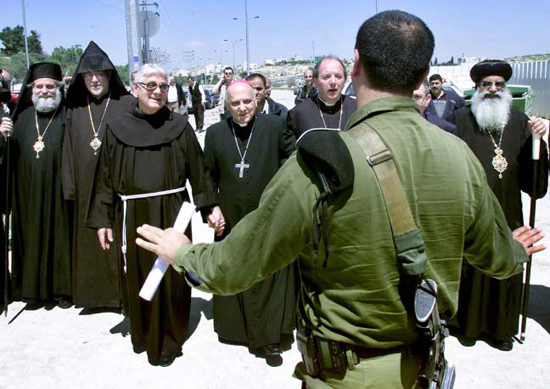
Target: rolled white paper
[[536, 147], [160, 266]]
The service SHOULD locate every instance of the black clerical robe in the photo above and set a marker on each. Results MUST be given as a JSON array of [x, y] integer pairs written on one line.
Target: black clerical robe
[[146, 154], [3, 267], [488, 306], [313, 113], [264, 314], [40, 219], [97, 274]]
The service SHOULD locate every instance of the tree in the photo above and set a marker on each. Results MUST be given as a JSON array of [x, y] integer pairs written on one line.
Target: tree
[[122, 71], [452, 61], [13, 40], [435, 61], [16, 65], [67, 58]]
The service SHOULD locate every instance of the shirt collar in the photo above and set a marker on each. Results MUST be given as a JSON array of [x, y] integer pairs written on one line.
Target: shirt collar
[[378, 106]]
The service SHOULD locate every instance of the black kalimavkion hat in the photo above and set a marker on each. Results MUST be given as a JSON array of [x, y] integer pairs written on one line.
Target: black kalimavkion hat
[[490, 67]]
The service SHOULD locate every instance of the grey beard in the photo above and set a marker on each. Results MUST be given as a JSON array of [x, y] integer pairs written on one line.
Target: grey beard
[[491, 114], [46, 104]]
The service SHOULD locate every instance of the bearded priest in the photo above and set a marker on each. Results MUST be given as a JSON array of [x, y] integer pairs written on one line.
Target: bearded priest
[[41, 267], [500, 137]]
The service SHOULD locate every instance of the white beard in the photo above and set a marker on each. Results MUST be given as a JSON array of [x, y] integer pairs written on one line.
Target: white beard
[[46, 104], [491, 114]]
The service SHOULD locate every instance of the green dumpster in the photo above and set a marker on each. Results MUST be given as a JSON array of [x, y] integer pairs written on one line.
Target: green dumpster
[[522, 97]]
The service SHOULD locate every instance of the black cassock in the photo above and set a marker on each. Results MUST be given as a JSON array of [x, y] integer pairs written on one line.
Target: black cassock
[[263, 314], [41, 237], [2, 234], [146, 154], [311, 113], [488, 306], [97, 274]]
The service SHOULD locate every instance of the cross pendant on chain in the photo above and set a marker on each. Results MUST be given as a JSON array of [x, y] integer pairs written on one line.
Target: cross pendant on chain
[[241, 166]]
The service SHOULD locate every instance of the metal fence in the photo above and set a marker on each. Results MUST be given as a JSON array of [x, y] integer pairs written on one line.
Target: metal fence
[[537, 75]]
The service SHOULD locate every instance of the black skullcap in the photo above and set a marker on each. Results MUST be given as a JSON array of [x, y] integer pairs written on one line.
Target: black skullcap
[[45, 70], [490, 67]]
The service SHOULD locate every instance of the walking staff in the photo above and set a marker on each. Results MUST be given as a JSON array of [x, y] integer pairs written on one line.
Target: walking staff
[[7, 189], [532, 212]]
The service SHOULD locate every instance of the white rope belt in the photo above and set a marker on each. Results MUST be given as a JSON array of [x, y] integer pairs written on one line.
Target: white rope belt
[[125, 199]]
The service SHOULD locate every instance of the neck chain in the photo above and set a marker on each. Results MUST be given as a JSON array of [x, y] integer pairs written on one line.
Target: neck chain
[[241, 166], [39, 144], [323, 119], [95, 144], [499, 162]]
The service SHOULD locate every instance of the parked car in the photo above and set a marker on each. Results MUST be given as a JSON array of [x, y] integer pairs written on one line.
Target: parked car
[[212, 99]]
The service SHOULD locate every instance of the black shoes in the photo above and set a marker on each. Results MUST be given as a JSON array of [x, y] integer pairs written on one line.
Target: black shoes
[[165, 360], [506, 344], [272, 349]]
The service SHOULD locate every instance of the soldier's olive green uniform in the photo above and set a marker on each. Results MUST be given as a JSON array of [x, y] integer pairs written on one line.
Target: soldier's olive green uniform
[[355, 299]]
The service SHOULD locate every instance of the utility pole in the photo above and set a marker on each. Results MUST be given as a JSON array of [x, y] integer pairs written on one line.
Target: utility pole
[[146, 48], [247, 45], [132, 37], [25, 30], [313, 53]]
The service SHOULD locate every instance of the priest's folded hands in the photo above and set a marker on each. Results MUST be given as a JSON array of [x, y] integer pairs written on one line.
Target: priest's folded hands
[[164, 243], [216, 220]]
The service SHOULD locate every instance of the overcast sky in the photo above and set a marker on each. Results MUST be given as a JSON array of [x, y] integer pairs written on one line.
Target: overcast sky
[[286, 28]]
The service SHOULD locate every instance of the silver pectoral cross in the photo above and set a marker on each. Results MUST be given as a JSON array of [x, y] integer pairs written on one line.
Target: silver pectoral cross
[[241, 166]]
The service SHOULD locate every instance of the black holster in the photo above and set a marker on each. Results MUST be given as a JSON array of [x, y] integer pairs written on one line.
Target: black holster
[[321, 355]]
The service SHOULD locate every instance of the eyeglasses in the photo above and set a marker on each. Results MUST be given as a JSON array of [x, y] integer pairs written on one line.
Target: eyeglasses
[[489, 84], [228, 74], [152, 86]]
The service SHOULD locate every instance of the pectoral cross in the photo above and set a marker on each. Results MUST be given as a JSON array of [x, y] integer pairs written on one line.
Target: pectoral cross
[[241, 166]]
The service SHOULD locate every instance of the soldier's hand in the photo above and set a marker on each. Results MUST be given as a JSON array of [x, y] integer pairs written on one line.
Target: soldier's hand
[[163, 243], [528, 236], [6, 128], [105, 236], [537, 126]]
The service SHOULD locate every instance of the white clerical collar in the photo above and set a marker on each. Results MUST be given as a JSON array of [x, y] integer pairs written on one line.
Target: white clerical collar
[[328, 104], [242, 125]]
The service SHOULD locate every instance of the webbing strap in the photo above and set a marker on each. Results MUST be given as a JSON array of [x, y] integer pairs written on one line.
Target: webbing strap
[[381, 160]]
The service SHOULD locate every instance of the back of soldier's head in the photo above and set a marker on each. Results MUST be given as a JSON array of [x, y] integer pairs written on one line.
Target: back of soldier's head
[[395, 49]]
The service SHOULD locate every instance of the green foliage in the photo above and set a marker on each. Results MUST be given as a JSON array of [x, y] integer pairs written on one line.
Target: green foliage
[[67, 58], [122, 71], [16, 65], [13, 40]]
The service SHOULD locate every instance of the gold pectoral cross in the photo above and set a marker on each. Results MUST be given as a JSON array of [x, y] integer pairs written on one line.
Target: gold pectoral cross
[[38, 147], [95, 144]]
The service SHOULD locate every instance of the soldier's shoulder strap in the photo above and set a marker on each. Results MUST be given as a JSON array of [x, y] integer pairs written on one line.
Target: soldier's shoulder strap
[[406, 235]]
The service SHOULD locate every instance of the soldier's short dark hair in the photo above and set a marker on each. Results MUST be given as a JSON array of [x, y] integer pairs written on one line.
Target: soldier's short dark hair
[[318, 65], [395, 49], [256, 75]]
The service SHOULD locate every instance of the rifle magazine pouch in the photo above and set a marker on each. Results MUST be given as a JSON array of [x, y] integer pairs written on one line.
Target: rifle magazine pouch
[[411, 255]]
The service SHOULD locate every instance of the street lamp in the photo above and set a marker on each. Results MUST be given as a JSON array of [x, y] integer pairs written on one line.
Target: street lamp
[[247, 46], [233, 43], [221, 55]]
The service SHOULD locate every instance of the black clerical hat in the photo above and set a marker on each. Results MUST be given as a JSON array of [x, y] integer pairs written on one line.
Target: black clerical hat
[[93, 60], [490, 67], [36, 71], [44, 70]]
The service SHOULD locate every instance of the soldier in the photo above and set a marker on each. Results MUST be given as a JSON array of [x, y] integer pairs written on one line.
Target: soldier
[[353, 305]]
